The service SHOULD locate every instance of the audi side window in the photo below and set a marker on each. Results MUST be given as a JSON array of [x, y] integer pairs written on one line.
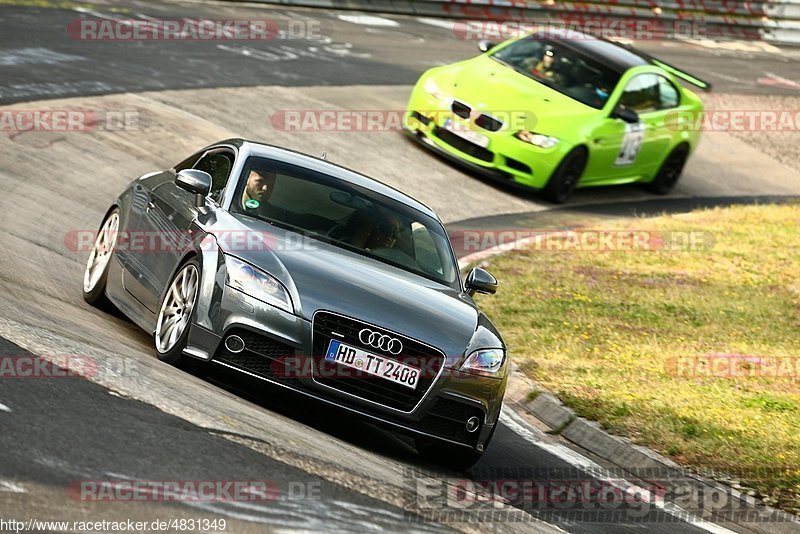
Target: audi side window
[[218, 165], [668, 94], [641, 94], [188, 162]]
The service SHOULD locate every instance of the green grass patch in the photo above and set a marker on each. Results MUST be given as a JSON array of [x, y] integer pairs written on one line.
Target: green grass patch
[[611, 333]]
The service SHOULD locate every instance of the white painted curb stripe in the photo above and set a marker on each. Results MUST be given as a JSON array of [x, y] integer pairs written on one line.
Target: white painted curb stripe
[[535, 436]]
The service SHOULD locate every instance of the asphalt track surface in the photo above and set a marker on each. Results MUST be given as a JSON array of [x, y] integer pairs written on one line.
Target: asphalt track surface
[[325, 51], [138, 419]]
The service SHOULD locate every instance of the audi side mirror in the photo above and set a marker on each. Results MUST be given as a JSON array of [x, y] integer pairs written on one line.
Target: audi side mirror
[[197, 182], [480, 281]]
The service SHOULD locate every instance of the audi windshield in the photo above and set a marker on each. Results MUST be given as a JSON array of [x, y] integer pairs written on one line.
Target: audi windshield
[[346, 215]]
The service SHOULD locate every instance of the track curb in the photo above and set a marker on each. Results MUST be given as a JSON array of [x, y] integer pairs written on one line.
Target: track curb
[[635, 459]]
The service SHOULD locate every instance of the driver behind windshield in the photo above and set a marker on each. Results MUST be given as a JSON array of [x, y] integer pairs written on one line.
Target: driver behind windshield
[[384, 233], [258, 188], [545, 67], [370, 229]]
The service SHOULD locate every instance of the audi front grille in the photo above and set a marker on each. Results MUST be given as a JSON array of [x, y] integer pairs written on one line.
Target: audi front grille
[[330, 326]]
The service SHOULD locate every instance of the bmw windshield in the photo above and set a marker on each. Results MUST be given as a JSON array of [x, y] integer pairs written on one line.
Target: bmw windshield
[[560, 68], [345, 215]]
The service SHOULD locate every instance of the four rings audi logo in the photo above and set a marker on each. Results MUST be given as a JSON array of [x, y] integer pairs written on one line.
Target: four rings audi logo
[[380, 341]]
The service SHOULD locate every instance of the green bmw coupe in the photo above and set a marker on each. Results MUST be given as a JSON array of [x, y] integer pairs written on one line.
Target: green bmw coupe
[[558, 112]]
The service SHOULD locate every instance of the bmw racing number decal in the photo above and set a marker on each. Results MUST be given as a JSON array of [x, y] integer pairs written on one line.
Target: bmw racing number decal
[[631, 143]]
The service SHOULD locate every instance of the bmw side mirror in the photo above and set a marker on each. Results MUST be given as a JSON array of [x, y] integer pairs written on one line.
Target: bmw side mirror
[[197, 182], [481, 281], [625, 114], [485, 46]]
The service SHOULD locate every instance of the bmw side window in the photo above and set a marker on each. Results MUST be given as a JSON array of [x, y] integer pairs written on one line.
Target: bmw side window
[[667, 93], [218, 165], [641, 94]]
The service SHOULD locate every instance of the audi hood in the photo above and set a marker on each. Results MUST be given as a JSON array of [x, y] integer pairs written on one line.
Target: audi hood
[[322, 276]]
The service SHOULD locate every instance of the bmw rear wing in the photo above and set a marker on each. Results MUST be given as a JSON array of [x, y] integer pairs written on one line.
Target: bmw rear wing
[[675, 71], [685, 76]]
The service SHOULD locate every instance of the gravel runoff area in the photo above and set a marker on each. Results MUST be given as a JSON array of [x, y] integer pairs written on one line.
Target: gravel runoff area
[[782, 145]]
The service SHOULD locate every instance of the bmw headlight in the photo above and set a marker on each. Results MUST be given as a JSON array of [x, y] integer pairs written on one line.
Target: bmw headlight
[[432, 87], [257, 284], [542, 141], [484, 362]]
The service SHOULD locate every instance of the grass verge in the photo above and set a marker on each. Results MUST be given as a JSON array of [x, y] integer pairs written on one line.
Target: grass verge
[[691, 350]]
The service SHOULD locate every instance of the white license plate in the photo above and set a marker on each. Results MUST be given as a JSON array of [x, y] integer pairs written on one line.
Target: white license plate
[[372, 364], [465, 133]]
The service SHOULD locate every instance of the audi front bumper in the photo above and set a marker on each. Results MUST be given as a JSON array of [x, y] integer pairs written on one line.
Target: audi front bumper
[[285, 350]]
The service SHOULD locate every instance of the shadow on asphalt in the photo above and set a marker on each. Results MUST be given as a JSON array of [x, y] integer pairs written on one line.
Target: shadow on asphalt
[[586, 204], [514, 188], [330, 420]]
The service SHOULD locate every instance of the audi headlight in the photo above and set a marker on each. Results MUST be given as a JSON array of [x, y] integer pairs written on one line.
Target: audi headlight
[[433, 88], [484, 362], [257, 284], [542, 141]]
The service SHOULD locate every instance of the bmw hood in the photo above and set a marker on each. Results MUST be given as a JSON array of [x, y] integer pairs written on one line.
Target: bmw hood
[[488, 85], [321, 276]]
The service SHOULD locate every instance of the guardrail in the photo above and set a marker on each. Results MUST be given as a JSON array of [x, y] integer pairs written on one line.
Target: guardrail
[[776, 21]]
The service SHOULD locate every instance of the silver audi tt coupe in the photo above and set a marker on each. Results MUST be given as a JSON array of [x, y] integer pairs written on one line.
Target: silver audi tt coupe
[[311, 277]]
